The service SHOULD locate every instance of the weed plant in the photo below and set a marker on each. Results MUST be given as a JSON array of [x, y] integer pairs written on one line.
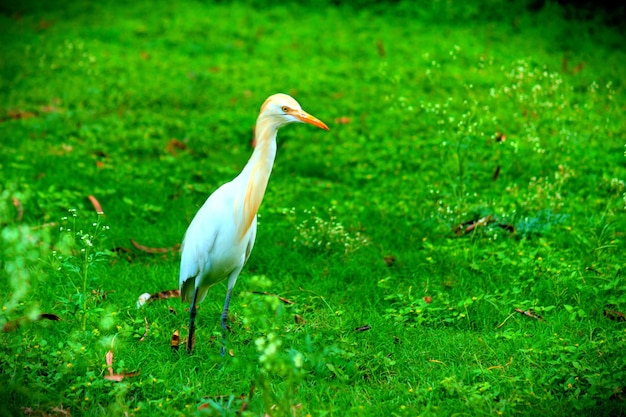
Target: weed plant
[[453, 246]]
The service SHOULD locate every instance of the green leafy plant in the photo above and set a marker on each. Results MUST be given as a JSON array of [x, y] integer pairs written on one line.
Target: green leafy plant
[[79, 260], [324, 233]]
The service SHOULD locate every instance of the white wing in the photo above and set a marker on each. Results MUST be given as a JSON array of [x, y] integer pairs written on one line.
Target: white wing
[[213, 248]]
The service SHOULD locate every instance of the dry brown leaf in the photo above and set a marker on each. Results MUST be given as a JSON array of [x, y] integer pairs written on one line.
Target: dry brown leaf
[[614, 315], [96, 204], [109, 361], [44, 24], [18, 208], [283, 299], [147, 249], [578, 68], [50, 109], [175, 340], [173, 145], [115, 377], [10, 326], [381, 48], [164, 295], [20, 114], [299, 319], [119, 377], [390, 260]]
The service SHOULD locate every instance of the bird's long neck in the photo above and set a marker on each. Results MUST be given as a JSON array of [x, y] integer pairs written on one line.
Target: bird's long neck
[[256, 173]]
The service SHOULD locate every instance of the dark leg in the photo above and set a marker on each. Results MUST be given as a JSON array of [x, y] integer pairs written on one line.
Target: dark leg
[[225, 319], [192, 321]]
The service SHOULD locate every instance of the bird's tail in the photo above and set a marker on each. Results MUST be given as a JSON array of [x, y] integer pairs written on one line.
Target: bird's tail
[[187, 289]]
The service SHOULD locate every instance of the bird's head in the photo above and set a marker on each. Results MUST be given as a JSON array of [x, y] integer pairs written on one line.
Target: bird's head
[[281, 109]]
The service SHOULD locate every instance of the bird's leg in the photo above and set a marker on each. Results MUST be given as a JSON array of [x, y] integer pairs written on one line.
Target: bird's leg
[[225, 319], [192, 321]]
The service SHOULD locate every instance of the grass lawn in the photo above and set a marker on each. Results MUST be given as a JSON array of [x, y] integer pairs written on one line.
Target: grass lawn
[[454, 245]]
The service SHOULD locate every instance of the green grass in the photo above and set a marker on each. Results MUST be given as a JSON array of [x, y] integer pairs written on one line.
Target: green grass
[[359, 226]]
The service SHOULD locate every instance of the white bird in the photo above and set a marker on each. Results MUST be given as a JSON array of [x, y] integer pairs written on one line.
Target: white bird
[[219, 239]]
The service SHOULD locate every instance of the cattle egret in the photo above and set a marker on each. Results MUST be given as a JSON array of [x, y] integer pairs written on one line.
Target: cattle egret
[[219, 239]]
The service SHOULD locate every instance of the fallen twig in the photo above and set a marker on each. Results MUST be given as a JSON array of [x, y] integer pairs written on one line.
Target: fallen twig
[[283, 299], [146, 332], [529, 313]]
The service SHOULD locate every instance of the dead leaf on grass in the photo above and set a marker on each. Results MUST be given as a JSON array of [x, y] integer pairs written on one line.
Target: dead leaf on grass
[[614, 315], [112, 376], [96, 204], [44, 24], [18, 208], [578, 68], [381, 48], [147, 249], [12, 325], [173, 146], [175, 342], [390, 260], [17, 114], [283, 299], [50, 109], [343, 120]]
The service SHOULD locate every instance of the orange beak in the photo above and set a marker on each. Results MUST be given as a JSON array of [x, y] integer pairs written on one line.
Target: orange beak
[[307, 118]]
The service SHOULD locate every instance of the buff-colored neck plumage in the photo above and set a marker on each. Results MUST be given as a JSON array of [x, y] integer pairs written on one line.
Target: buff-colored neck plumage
[[256, 173]]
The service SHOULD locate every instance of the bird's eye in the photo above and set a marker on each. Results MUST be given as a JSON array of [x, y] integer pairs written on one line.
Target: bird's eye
[[285, 109]]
